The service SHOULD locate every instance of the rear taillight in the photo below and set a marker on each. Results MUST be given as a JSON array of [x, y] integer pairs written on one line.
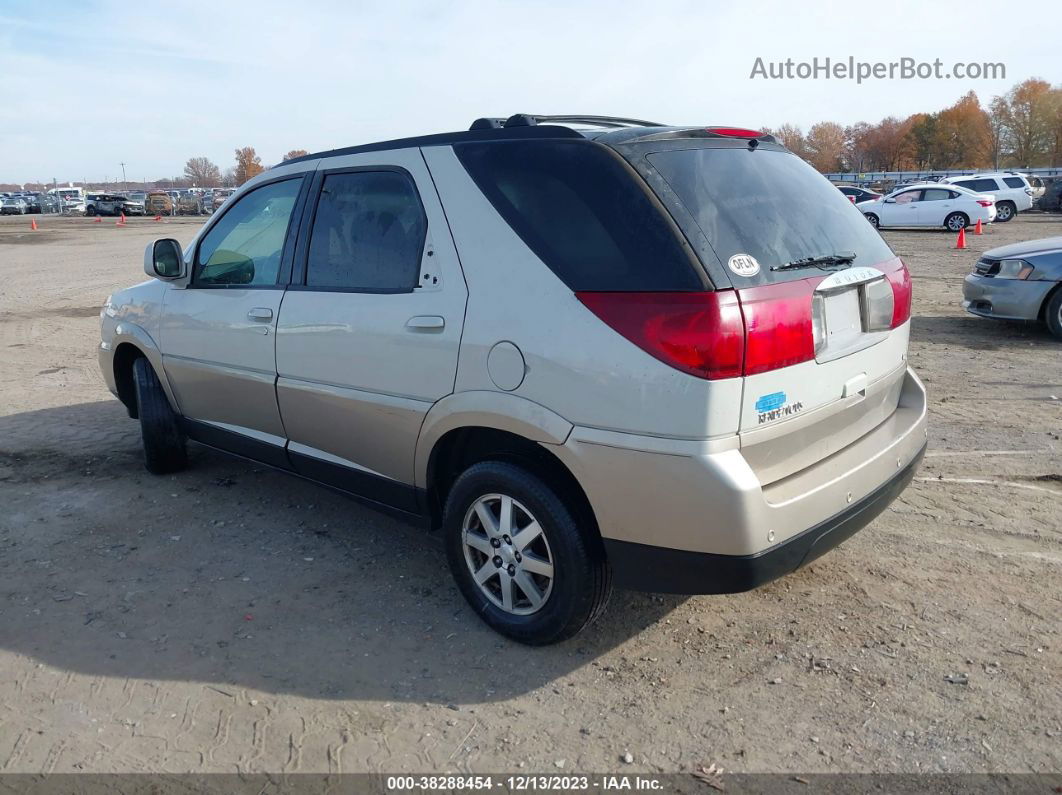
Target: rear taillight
[[778, 322], [902, 290], [698, 333], [727, 333], [985, 203]]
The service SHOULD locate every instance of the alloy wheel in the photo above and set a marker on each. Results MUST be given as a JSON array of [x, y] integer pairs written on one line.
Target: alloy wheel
[[508, 554]]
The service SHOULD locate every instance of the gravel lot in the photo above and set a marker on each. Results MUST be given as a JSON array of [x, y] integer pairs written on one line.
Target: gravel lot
[[236, 619]]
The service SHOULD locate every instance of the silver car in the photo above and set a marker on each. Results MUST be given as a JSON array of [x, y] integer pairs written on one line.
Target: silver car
[[1022, 281], [586, 350]]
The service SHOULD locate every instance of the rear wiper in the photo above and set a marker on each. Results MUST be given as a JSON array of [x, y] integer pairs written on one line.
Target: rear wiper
[[840, 258]]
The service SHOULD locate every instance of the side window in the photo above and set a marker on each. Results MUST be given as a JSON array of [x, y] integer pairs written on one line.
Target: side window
[[969, 184], [936, 195], [980, 185], [581, 213], [245, 246], [908, 197], [1014, 182], [368, 233]]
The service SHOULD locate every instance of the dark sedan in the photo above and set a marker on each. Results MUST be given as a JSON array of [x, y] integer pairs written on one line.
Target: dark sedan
[[1022, 281], [857, 194]]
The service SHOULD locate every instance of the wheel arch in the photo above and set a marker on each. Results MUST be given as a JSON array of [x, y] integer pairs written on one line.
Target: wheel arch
[[1042, 314], [461, 447], [130, 342]]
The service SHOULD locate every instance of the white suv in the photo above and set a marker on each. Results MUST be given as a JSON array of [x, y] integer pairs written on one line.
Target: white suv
[[671, 358], [1012, 191]]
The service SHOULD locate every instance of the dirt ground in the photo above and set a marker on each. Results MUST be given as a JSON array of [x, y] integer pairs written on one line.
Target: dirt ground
[[233, 619]]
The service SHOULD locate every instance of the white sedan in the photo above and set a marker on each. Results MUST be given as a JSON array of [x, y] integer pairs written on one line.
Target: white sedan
[[931, 204]]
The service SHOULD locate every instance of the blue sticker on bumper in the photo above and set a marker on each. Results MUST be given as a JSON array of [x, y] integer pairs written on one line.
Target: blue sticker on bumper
[[770, 402]]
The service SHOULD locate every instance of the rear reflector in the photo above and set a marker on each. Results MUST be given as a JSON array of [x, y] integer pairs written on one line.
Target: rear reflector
[[778, 322], [699, 333]]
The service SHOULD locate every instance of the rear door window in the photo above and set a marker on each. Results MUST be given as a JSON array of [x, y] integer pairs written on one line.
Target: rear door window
[[368, 233], [585, 214], [936, 195], [767, 204], [1014, 182]]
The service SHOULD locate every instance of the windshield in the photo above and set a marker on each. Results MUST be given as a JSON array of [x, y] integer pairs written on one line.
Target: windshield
[[761, 209]]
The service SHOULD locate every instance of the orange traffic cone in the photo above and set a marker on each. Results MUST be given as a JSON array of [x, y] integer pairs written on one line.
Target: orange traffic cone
[[99, 220], [961, 242], [158, 217], [977, 229], [33, 224], [120, 221]]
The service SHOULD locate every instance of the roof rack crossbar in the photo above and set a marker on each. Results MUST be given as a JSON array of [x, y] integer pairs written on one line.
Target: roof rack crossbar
[[533, 119], [602, 121]]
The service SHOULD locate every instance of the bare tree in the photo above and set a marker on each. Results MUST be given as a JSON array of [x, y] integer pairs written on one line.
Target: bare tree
[[202, 172], [295, 153], [248, 164]]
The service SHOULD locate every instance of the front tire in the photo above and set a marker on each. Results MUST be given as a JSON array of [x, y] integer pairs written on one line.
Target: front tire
[[874, 222], [1005, 211], [520, 558], [956, 221], [164, 441], [1053, 313]]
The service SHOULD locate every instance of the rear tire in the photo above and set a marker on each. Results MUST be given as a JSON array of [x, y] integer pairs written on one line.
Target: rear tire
[[563, 563], [91, 210], [1005, 211], [1053, 313], [956, 221], [873, 220], [164, 441]]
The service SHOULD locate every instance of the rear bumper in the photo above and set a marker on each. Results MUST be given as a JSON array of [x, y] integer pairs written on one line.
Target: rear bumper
[[643, 567], [713, 516]]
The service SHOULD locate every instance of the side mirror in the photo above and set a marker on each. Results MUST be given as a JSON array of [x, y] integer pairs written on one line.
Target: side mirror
[[163, 259], [890, 201]]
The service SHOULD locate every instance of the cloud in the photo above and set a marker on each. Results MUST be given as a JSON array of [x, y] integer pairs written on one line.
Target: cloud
[[89, 85]]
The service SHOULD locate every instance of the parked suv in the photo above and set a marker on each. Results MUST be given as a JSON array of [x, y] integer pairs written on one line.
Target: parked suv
[[1012, 191], [670, 358]]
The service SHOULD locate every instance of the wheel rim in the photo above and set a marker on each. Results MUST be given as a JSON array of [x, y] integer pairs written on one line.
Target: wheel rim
[[1004, 213], [955, 223], [507, 554]]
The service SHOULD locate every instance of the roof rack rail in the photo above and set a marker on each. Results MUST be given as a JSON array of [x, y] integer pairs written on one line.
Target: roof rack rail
[[532, 119]]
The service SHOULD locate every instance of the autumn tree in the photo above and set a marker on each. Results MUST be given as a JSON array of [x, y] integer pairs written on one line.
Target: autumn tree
[[1027, 118], [248, 164], [202, 172], [824, 145], [921, 135], [295, 153], [962, 137]]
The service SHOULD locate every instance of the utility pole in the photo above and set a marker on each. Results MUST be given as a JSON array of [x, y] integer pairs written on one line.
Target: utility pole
[[123, 173]]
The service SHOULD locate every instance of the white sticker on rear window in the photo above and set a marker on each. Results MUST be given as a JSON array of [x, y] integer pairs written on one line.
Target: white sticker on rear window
[[744, 265]]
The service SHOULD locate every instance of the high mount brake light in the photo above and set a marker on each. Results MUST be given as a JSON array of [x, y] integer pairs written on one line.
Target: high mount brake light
[[735, 132]]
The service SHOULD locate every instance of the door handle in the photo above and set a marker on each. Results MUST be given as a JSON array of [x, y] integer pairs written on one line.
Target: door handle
[[260, 313], [426, 323]]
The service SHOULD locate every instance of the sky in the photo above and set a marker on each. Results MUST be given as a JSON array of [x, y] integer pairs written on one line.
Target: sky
[[86, 86]]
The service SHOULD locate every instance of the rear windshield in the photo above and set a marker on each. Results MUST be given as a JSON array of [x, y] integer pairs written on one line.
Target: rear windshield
[[584, 213], [767, 205]]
